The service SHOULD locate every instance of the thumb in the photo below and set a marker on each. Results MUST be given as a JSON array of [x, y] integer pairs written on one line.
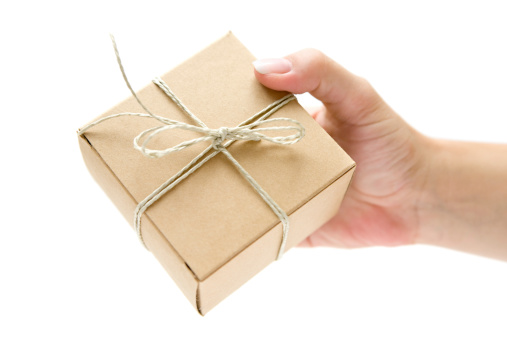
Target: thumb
[[351, 97]]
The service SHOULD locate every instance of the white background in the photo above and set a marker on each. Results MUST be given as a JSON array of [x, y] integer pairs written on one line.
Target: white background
[[70, 266]]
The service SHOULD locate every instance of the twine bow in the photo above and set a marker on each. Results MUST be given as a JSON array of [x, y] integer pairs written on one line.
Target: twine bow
[[220, 138]]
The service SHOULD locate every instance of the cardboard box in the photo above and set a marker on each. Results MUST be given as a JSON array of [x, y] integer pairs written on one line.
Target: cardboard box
[[213, 231]]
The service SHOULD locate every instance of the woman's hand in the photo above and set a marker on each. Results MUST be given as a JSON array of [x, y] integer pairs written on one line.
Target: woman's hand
[[381, 206], [407, 188]]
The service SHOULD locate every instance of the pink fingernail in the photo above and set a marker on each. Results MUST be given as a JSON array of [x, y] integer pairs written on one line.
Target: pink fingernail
[[272, 66]]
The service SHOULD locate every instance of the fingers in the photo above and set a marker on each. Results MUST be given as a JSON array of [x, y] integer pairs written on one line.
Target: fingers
[[306, 71], [306, 243], [312, 71], [314, 111]]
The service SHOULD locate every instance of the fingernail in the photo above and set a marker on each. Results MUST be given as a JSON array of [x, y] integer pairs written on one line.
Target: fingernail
[[272, 66]]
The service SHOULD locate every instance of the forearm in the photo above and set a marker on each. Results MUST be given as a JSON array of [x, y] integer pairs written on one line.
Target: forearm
[[464, 202]]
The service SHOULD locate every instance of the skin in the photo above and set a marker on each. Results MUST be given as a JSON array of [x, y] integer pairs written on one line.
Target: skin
[[407, 188]]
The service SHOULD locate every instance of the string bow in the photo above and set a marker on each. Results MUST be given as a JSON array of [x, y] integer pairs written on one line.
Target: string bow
[[218, 136]]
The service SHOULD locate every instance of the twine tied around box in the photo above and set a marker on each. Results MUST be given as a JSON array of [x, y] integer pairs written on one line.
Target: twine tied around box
[[221, 138]]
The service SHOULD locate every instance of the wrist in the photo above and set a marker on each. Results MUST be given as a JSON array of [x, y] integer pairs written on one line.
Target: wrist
[[432, 206], [462, 204]]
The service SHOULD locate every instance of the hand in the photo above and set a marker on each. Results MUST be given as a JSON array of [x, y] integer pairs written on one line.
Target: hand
[[381, 206]]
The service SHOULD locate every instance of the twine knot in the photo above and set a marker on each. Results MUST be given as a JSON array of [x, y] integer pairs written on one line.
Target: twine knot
[[219, 136]]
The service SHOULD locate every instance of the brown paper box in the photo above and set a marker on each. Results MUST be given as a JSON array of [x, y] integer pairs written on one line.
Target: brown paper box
[[213, 231]]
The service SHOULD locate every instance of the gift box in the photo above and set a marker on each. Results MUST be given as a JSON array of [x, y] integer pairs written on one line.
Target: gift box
[[213, 230]]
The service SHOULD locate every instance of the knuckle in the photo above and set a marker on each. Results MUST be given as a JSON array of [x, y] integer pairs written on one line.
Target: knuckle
[[316, 57], [312, 64], [364, 98]]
